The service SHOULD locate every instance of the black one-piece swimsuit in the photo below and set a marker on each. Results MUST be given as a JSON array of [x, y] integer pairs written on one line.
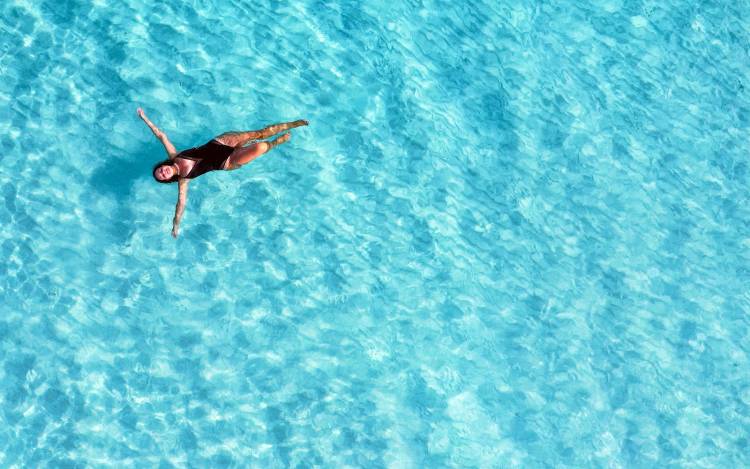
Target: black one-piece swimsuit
[[208, 157]]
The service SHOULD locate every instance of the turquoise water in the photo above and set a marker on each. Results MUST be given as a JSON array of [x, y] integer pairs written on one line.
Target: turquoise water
[[515, 234]]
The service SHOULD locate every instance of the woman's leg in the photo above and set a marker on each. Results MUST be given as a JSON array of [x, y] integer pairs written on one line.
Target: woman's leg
[[243, 155], [235, 139]]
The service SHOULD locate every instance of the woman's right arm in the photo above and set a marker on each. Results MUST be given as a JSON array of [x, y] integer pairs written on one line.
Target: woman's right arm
[[171, 151], [181, 202]]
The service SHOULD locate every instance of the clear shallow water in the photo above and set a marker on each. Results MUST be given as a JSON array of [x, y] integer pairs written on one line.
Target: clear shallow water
[[513, 236]]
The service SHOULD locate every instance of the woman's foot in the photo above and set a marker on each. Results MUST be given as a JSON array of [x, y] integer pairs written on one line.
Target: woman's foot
[[283, 139]]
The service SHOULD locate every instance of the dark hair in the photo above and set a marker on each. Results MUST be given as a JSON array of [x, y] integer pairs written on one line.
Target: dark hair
[[158, 165]]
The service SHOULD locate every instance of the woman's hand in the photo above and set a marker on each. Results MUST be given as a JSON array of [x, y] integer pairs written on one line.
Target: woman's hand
[[140, 113], [175, 231]]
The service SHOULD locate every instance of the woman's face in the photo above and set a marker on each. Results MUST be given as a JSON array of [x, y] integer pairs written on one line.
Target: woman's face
[[164, 172]]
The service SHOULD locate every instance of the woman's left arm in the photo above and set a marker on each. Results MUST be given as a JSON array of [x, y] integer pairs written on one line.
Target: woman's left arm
[[171, 151]]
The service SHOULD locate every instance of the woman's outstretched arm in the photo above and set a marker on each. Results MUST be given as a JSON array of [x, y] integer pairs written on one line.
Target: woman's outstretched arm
[[171, 151], [181, 202]]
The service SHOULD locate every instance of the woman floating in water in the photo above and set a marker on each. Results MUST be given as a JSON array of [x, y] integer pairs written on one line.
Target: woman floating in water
[[226, 152]]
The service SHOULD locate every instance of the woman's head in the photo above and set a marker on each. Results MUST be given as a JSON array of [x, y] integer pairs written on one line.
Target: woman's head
[[165, 172]]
